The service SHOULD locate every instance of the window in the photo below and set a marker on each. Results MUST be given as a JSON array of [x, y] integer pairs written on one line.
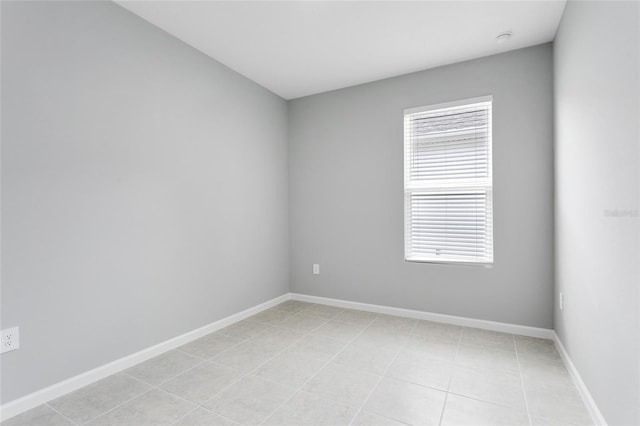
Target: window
[[448, 182]]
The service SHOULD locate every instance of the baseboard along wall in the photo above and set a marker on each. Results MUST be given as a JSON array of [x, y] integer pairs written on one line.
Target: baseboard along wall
[[523, 330], [588, 400]]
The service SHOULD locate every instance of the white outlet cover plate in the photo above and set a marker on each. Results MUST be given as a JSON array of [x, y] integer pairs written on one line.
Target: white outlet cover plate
[[10, 340]]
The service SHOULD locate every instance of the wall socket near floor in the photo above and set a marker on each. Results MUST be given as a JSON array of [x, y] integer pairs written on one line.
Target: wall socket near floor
[[316, 269], [10, 340], [561, 301]]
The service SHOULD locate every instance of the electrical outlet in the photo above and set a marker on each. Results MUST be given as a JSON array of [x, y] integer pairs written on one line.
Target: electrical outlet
[[316, 269], [10, 339], [561, 301]]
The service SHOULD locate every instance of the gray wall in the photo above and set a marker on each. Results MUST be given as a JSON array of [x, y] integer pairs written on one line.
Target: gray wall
[[144, 189], [346, 192], [597, 200]]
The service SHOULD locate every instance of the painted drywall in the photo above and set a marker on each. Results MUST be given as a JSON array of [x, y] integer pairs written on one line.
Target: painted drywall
[[597, 137], [144, 189], [346, 192]]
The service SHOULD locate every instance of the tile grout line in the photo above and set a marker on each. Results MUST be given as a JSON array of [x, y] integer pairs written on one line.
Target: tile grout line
[[320, 370], [245, 374], [125, 402], [382, 376], [453, 365], [487, 401], [157, 387], [250, 371], [197, 406], [524, 392], [496, 404], [72, 421], [203, 361], [109, 410], [120, 405]]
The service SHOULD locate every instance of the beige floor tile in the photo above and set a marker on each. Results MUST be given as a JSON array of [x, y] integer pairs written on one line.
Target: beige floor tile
[[303, 323], [210, 345], [355, 316], [250, 400], [421, 369], [540, 370], [407, 402], [275, 339], [393, 324], [155, 407], [202, 417], [293, 306], [384, 338], [244, 329], [367, 418], [42, 415], [317, 346], [539, 421], [203, 382], [289, 369], [246, 356], [271, 316], [559, 402], [367, 357], [533, 347], [340, 330], [499, 387], [481, 358], [345, 385], [487, 339], [93, 400], [322, 311], [460, 411], [433, 348], [309, 409], [435, 330], [163, 367]]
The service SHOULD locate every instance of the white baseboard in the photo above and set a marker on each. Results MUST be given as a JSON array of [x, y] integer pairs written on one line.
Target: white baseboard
[[523, 330], [588, 400], [27, 402]]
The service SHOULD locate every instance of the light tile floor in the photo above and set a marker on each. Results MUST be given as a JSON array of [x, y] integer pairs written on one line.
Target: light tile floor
[[304, 364]]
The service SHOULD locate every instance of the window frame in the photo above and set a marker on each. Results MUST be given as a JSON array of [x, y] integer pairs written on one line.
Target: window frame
[[449, 186]]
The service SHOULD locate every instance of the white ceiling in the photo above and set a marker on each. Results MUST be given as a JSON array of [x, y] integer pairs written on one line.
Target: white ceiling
[[298, 48]]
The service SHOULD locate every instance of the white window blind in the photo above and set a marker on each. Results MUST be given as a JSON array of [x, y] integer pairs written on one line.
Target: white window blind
[[448, 182]]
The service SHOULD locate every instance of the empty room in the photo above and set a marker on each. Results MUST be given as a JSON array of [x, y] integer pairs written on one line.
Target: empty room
[[320, 213]]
